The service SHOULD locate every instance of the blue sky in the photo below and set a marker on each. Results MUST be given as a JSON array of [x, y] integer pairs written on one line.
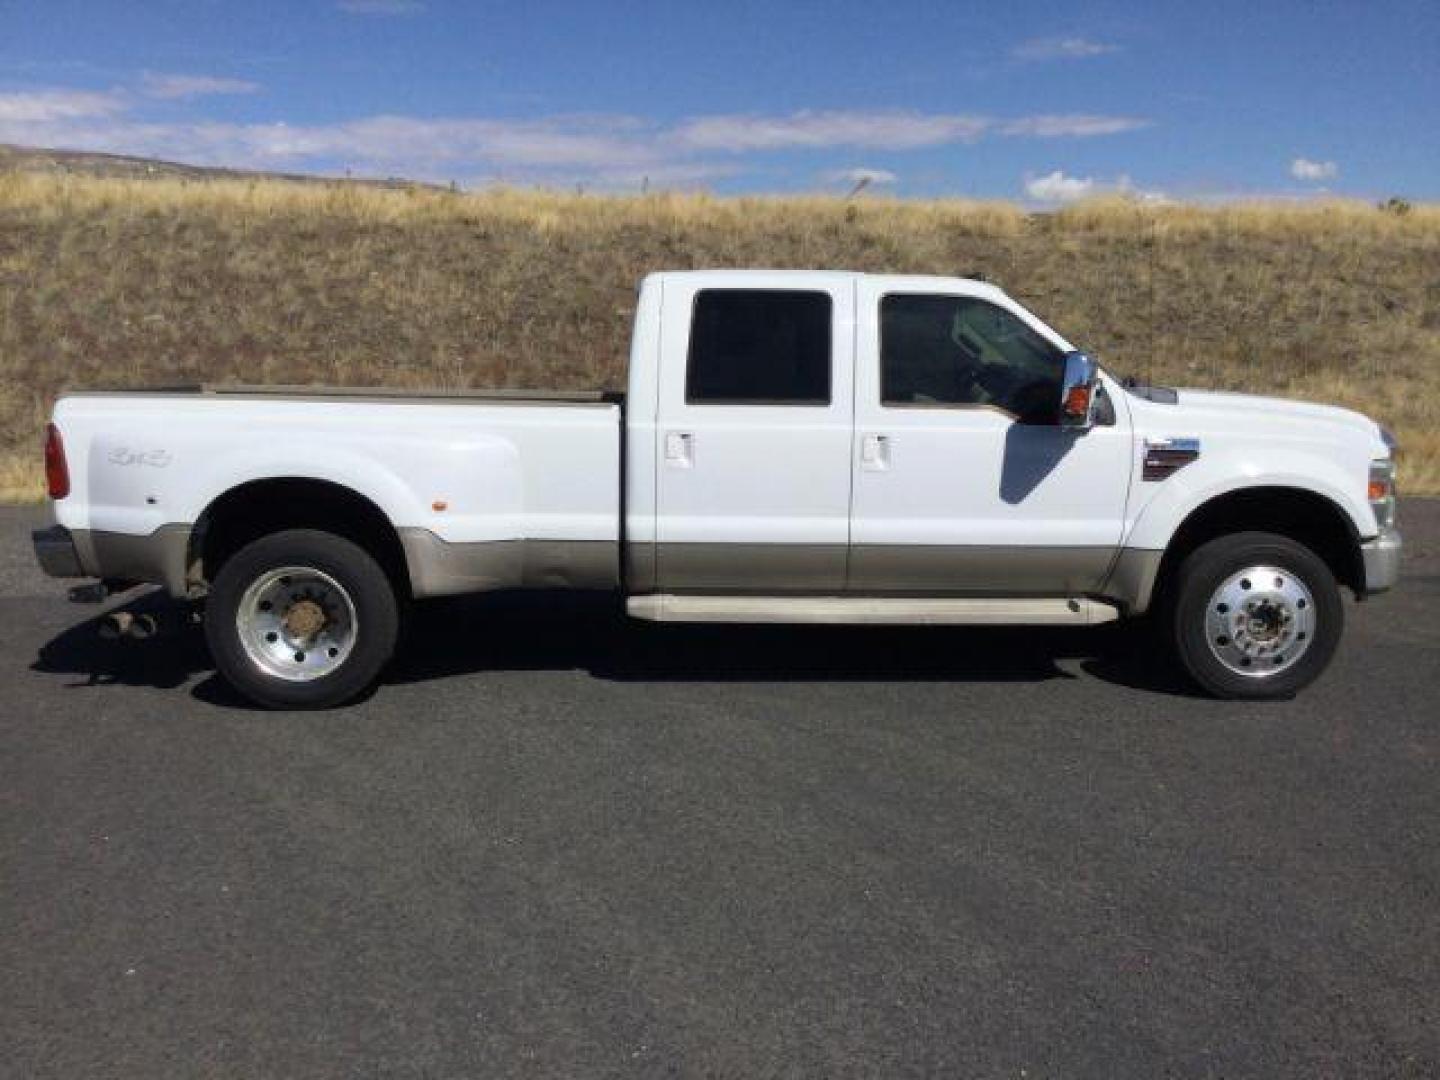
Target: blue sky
[[1038, 102]]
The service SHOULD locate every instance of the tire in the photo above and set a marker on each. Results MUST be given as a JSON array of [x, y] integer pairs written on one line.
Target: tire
[[1255, 616], [301, 619]]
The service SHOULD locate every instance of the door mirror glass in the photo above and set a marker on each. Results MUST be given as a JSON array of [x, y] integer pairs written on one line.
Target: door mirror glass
[[1077, 392]]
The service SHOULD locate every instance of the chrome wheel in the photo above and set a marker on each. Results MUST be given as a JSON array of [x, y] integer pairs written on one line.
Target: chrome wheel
[[296, 623], [1260, 621]]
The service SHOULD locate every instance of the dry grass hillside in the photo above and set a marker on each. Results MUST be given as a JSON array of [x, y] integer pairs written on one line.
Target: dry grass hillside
[[135, 281]]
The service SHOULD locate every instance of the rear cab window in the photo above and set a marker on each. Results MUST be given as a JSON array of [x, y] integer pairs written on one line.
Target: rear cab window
[[759, 347]]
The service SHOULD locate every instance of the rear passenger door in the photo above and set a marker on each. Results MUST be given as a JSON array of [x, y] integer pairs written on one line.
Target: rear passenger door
[[754, 434]]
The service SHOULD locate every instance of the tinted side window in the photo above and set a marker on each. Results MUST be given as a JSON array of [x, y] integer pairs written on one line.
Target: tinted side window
[[759, 347], [958, 350]]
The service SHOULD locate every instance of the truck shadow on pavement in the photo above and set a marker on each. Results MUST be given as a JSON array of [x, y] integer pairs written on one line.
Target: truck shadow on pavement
[[165, 661], [569, 632]]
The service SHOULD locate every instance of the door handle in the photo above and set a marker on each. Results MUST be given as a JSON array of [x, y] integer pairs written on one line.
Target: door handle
[[679, 449], [875, 453]]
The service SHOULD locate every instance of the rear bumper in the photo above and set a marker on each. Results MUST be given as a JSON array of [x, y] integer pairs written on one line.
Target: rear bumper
[[1382, 561], [56, 552], [159, 557]]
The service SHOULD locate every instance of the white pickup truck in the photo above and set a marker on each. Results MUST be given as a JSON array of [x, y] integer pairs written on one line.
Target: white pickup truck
[[794, 446]]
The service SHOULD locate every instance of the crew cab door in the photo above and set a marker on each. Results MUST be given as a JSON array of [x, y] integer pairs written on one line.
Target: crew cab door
[[964, 483], [753, 433]]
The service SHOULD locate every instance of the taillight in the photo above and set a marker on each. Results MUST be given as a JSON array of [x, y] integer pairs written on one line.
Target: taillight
[[57, 472]]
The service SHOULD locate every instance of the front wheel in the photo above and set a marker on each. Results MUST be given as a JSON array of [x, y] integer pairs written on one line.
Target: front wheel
[[301, 619], [1255, 615]]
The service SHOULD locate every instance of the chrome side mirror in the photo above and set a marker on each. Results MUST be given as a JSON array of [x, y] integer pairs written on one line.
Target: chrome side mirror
[[1077, 392]]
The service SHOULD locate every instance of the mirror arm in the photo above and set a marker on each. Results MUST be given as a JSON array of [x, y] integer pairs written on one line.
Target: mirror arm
[[1104, 407]]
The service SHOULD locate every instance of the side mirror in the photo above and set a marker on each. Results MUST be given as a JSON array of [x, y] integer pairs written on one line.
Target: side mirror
[[1077, 392]]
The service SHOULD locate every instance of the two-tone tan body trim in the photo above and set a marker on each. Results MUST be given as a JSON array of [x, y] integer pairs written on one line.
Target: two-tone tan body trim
[[157, 557], [439, 568]]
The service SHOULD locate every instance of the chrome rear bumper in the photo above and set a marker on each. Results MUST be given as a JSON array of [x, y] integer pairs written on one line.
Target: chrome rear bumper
[[55, 550]]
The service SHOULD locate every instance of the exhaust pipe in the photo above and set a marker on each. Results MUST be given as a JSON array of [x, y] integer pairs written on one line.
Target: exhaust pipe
[[125, 625]]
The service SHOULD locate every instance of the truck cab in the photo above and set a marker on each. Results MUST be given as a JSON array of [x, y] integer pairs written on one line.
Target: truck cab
[[865, 435]]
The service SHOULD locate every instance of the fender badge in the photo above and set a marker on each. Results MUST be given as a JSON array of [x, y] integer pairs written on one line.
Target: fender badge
[[1165, 457]]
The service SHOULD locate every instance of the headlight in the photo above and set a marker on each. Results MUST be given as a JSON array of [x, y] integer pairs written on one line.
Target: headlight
[[1382, 491]]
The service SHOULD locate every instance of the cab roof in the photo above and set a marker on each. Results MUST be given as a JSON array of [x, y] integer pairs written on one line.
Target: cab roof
[[753, 277]]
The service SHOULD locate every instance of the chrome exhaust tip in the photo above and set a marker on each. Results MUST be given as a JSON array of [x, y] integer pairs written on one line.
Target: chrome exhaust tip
[[118, 625]]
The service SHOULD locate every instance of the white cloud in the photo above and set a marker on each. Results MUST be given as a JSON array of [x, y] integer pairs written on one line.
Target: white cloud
[[883, 130], [589, 149], [1075, 126], [811, 130], [1313, 171], [1058, 187], [49, 106], [379, 143], [1061, 48], [560, 141], [380, 7], [858, 176], [170, 87]]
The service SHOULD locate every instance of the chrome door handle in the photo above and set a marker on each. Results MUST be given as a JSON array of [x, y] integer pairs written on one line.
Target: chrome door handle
[[679, 449], [875, 453]]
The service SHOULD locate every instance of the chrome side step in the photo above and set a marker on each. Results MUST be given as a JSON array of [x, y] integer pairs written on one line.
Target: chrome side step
[[1021, 611]]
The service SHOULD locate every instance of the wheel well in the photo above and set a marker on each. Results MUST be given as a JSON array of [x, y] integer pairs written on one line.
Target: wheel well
[[261, 507], [1303, 516]]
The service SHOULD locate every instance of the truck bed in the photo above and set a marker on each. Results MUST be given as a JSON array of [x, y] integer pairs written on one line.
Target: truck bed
[[485, 488]]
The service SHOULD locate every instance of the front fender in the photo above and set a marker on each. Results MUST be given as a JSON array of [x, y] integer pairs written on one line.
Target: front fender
[[1174, 499]]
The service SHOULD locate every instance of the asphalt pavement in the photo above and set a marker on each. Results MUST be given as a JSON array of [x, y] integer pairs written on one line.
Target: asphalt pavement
[[556, 844]]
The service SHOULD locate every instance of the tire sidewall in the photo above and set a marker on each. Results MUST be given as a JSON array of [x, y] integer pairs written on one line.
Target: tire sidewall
[[370, 591], [1202, 573]]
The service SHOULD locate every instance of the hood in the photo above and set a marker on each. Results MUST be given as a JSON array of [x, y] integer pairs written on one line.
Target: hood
[[1250, 404], [1253, 409]]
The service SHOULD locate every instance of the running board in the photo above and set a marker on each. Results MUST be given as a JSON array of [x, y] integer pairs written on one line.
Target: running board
[[1022, 611]]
